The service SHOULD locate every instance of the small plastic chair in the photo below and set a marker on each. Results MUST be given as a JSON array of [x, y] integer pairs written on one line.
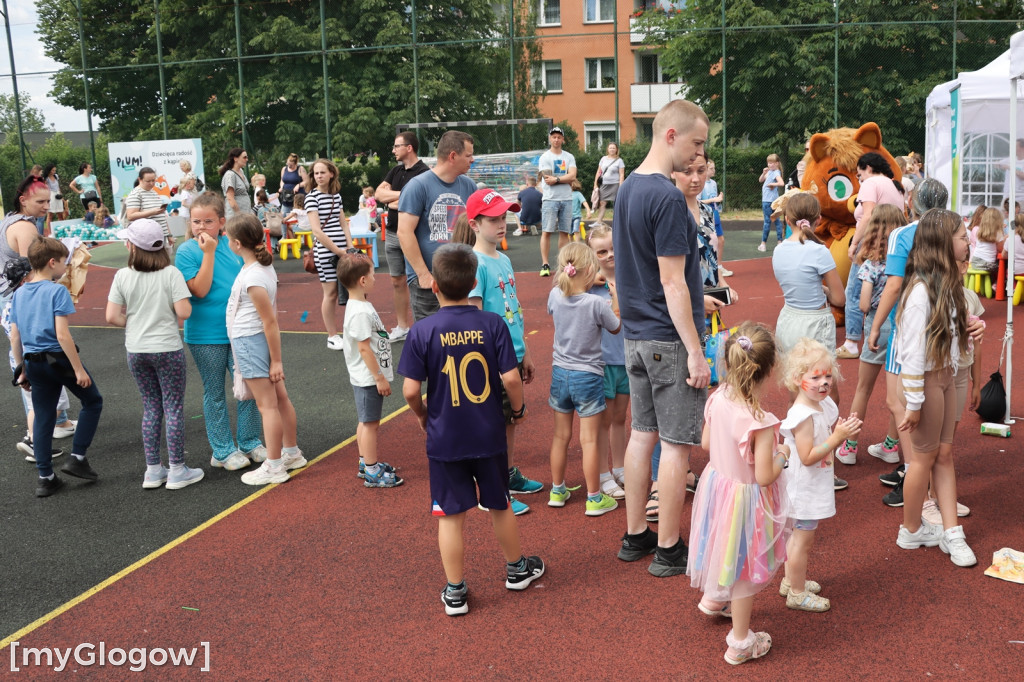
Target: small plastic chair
[[1018, 289], [293, 243], [975, 279], [306, 236]]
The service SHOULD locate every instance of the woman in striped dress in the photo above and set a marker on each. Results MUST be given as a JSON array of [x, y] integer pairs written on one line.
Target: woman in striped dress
[[330, 228]]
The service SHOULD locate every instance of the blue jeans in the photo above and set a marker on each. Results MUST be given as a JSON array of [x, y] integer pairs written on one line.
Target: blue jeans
[[47, 381], [214, 362], [766, 209], [655, 460], [854, 317]]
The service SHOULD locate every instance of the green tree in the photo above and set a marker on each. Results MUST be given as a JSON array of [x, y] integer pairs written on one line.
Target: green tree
[[782, 82], [32, 119], [369, 81]]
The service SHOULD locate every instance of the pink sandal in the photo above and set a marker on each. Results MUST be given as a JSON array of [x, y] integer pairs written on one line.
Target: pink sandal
[[737, 654], [724, 610]]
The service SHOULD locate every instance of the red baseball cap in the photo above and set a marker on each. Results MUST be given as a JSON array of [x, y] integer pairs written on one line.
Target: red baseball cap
[[488, 202]]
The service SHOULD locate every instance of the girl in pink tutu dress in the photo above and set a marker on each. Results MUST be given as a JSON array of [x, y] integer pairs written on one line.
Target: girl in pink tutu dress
[[740, 524]]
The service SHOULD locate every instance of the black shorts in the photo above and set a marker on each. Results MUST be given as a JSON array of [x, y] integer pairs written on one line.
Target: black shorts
[[453, 485]]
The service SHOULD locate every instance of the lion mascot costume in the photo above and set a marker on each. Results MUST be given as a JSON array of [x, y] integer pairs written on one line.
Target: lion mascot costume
[[831, 176]]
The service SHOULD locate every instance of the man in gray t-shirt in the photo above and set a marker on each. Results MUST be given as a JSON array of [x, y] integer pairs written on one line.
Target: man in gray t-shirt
[[559, 170], [427, 210]]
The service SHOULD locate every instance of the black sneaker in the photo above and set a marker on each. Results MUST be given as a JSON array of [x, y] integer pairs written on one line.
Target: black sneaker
[[25, 445], [838, 483], [456, 602], [520, 580], [668, 562], [79, 468], [636, 547], [49, 486], [895, 477], [894, 498]]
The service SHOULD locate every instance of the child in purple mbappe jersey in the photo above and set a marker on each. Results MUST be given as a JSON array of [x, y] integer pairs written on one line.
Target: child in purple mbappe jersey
[[465, 355]]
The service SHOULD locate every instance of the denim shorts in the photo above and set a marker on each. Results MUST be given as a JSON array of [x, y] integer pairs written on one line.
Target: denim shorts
[[556, 216], [394, 255], [660, 398], [252, 355], [616, 381], [454, 485], [875, 357], [573, 390], [369, 403]]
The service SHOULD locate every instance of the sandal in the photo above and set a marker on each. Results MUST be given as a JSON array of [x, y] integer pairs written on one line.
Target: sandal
[[692, 487], [652, 507], [725, 611], [762, 644]]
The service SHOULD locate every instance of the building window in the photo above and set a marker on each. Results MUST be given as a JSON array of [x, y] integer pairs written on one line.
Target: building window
[[598, 10], [547, 77], [550, 13], [983, 182], [645, 129], [600, 74], [598, 134], [649, 68]]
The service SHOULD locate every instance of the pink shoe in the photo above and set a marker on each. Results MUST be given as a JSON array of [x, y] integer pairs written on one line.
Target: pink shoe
[[846, 454], [756, 645], [888, 455]]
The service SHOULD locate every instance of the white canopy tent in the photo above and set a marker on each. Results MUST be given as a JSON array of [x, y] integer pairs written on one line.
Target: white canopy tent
[[984, 109], [1016, 72]]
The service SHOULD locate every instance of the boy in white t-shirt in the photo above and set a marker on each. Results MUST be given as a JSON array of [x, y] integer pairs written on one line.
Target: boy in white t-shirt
[[370, 367]]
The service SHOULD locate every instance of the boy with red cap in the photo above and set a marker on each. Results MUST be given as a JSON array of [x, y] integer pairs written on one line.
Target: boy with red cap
[[496, 292]]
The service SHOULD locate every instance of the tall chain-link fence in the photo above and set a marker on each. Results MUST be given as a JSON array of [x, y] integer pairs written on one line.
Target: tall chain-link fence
[[334, 79]]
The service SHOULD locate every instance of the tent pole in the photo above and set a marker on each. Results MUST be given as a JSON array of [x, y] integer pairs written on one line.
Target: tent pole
[[1008, 337]]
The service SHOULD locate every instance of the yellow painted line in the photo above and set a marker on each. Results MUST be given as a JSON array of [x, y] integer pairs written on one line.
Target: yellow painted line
[[534, 332], [39, 622]]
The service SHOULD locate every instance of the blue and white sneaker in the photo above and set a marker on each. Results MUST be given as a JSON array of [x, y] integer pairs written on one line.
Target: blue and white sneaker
[[384, 478], [518, 508], [151, 481], [518, 483], [183, 478]]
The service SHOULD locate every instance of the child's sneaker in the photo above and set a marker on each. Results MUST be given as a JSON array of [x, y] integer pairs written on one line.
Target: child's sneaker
[[384, 478], [894, 498], [362, 468], [636, 547], [807, 601], [265, 475], [930, 513], [757, 645], [519, 508], [293, 461], [545, 270], [518, 232], [888, 455], [612, 489], [456, 602], [154, 480], [520, 580], [846, 454], [518, 483], [809, 586], [25, 445], [257, 454], [838, 483], [601, 505], [895, 476], [183, 478], [558, 498], [235, 461], [927, 535], [954, 544]]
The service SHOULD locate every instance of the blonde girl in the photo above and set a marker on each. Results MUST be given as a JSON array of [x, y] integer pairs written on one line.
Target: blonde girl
[[884, 219], [811, 373], [931, 333], [330, 228], [256, 345], [102, 217], [611, 437], [577, 372], [771, 182], [148, 298], [739, 526], [806, 271], [1018, 245], [988, 238]]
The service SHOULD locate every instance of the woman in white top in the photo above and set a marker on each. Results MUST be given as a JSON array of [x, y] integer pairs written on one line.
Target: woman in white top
[[330, 228], [234, 184], [612, 172], [58, 206]]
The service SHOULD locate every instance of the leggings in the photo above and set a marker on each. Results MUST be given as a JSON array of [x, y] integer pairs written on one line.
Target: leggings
[[161, 381], [214, 363]]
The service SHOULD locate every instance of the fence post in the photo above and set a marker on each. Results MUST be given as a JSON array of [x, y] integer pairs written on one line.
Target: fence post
[[615, 57], [954, 39], [85, 81], [323, 60], [14, 82], [835, 72], [241, 83], [725, 88], [415, 67], [159, 64], [512, 67]]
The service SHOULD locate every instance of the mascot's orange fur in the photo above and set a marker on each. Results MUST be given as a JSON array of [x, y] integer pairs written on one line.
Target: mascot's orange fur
[[831, 176]]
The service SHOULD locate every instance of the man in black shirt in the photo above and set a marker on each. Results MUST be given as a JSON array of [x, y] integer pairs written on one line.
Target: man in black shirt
[[409, 166]]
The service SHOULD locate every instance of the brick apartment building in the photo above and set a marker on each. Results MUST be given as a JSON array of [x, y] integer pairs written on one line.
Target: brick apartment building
[[581, 40]]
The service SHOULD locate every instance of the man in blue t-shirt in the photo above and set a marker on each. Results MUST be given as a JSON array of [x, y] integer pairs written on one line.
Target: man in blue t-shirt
[[661, 300], [465, 355], [427, 210], [530, 200]]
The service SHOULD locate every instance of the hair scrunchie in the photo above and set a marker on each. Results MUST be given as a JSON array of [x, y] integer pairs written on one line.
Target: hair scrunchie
[[569, 269], [744, 342]]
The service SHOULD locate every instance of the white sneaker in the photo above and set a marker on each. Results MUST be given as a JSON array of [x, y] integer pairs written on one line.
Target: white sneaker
[[611, 488], [334, 342], [65, 431], [518, 232], [723, 272], [153, 481], [398, 333], [235, 461], [888, 456], [258, 454], [183, 478], [296, 461], [760, 247], [928, 535], [954, 544], [264, 475]]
